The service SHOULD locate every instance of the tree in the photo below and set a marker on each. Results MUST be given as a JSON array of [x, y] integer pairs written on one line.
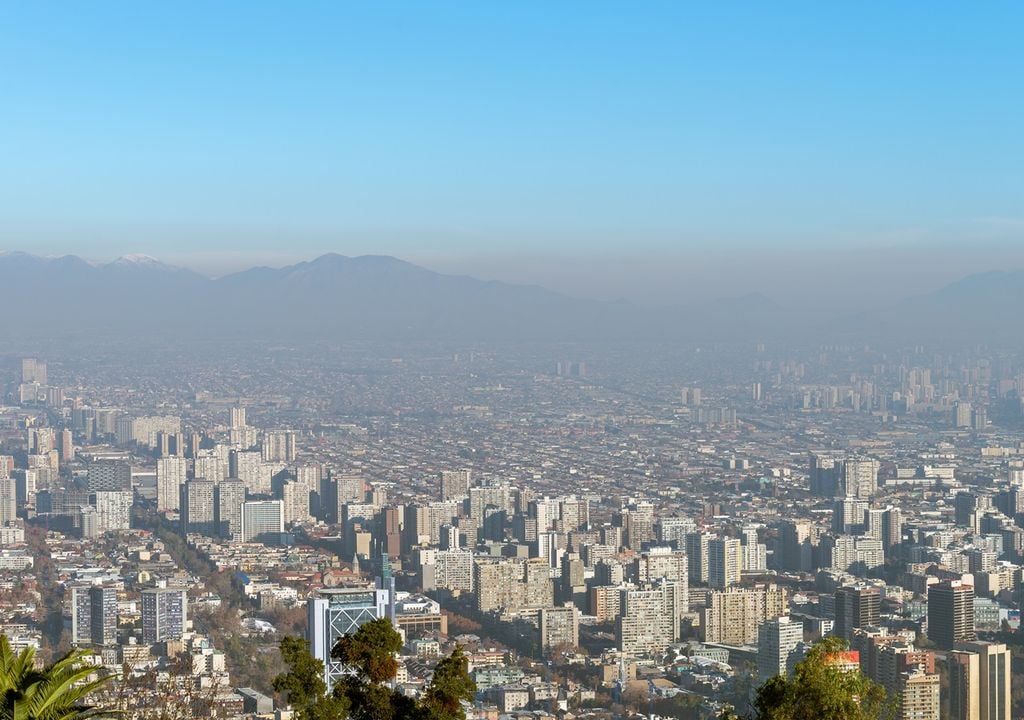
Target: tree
[[57, 692], [303, 686], [369, 653], [822, 689], [450, 686]]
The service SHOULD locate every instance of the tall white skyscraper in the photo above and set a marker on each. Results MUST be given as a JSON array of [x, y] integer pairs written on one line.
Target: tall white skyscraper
[[171, 474], [262, 518]]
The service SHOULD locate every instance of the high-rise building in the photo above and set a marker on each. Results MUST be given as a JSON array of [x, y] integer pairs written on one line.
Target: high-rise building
[[81, 615], [697, 556], [856, 607], [454, 484], [648, 621], [109, 476], [279, 446], [238, 417], [198, 508], [777, 641], [295, 496], [33, 370], [229, 497], [171, 475], [559, 627], [672, 531], [797, 551], [8, 501], [334, 612], [663, 562], [951, 613], [164, 614], [103, 608], [262, 520], [113, 510], [725, 562], [918, 694], [732, 616], [979, 681]]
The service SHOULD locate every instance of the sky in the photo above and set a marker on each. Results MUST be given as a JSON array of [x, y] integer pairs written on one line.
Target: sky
[[652, 151]]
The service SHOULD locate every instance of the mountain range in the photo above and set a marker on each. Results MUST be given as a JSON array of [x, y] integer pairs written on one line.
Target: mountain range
[[377, 297]]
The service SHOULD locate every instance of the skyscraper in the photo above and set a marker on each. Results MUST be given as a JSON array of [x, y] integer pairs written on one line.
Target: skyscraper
[[171, 475], [198, 508], [262, 520], [164, 614], [777, 641], [230, 496], [334, 612], [951, 613], [856, 607], [725, 562], [103, 608], [979, 679], [109, 476], [454, 484]]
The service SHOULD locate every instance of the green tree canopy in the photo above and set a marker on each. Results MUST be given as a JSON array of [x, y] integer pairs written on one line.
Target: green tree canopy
[[448, 688], [56, 692], [822, 689]]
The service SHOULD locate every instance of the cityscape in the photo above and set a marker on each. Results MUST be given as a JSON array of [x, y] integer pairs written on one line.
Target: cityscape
[[511, 361], [601, 535]]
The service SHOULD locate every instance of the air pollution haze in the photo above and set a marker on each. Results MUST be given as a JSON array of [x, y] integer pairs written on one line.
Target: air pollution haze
[[511, 361]]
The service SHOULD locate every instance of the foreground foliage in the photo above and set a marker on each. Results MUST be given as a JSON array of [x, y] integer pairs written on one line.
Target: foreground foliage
[[55, 692], [366, 693], [821, 689]]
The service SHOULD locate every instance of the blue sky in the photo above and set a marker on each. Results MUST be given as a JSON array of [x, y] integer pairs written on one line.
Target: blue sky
[[503, 137]]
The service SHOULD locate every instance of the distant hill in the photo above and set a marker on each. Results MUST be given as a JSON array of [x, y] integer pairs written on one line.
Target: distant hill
[[978, 308], [377, 297]]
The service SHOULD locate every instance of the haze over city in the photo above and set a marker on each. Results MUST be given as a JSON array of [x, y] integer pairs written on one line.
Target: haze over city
[[532, 361]]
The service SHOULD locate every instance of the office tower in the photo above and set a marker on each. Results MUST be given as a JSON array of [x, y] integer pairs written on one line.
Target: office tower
[[725, 562], [732, 616], [262, 520], [109, 477], [823, 475], [198, 508], [454, 484], [8, 501], [797, 546], [164, 614], [295, 496], [279, 446], [334, 612], [238, 417], [918, 694], [777, 641], [33, 370], [951, 613], [171, 475], [648, 623], [103, 609], [697, 554], [979, 681], [229, 496], [113, 510], [856, 607], [559, 628]]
